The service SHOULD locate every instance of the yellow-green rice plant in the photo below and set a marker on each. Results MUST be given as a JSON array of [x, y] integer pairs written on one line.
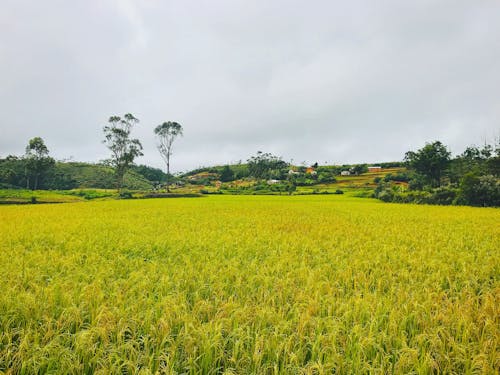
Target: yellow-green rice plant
[[249, 284]]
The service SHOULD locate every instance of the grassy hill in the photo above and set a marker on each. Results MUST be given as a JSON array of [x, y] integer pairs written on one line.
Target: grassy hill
[[208, 180], [78, 175], [87, 176]]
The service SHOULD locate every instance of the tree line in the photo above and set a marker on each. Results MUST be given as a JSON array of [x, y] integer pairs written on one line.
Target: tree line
[[435, 177], [432, 175], [124, 149], [37, 169]]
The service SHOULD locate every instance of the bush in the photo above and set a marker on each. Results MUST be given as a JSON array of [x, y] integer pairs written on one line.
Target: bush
[[479, 191], [385, 195], [226, 174], [303, 181], [416, 183], [443, 196], [359, 169], [125, 195], [325, 177], [440, 196], [399, 177]]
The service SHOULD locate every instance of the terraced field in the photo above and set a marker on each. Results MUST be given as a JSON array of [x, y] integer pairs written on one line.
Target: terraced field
[[249, 284]]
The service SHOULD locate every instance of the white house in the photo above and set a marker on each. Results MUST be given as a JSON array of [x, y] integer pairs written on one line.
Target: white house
[[345, 173], [273, 182]]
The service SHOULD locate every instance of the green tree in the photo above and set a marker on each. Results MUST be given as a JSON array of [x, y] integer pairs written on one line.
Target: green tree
[[13, 171], [291, 187], [479, 161], [359, 169], [493, 166], [37, 162], [479, 190], [226, 174], [123, 149], [326, 177], [166, 134], [265, 165], [430, 161]]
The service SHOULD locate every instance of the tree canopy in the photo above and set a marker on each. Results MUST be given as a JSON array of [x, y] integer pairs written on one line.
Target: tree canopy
[[37, 162], [265, 165], [123, 149], [166, 134], [430, 161]]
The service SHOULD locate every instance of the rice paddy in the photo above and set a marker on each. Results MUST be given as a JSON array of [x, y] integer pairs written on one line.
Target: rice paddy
[[249, 285]]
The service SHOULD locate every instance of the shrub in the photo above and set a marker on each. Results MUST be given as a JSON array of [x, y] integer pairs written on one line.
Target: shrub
[[385, 195], [399, 177], [443, 196], [325, 177], [479, 191], [416, 183], [125, 195], [226, 174]]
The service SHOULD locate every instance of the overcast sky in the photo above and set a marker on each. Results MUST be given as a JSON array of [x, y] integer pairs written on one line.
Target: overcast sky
[[327, 81]]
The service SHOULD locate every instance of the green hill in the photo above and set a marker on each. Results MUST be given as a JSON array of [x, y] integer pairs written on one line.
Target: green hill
[[78, 175], [99, 176]]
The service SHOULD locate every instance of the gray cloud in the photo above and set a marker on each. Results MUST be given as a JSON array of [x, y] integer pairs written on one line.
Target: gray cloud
[[317, 81]]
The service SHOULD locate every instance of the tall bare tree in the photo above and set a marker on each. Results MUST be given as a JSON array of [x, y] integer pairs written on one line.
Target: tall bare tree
[[166, 134], [123, 149]]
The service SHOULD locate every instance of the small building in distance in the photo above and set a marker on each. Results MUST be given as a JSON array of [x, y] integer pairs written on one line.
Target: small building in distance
[[375, 168], [311, 171], [345, 173], [273, 182]]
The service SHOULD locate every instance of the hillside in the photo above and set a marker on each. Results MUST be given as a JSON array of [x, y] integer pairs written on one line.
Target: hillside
[[78, 175], [305, 180], [83, 175]]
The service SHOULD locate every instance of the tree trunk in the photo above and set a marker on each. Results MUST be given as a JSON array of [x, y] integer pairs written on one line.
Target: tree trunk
[[120, 182], [168, 174], [27, 177]]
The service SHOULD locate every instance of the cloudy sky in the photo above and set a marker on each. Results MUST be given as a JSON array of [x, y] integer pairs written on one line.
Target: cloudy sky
[[327, 81]]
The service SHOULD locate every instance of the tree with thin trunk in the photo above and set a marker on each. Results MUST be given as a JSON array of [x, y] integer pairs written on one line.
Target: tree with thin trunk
[[166, 134], [37, 162], [123, 149]]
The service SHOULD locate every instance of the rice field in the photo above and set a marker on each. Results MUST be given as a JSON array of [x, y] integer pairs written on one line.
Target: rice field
[[249, 285]]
